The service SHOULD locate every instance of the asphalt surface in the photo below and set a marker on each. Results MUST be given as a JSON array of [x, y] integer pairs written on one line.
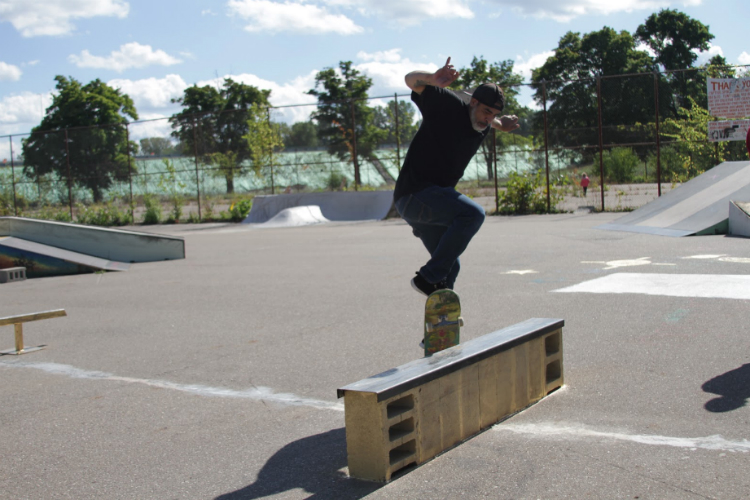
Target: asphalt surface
[[216, 376]]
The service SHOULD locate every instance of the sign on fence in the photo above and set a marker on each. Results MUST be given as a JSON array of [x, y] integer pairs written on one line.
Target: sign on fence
[[729, 97], [728, 130]]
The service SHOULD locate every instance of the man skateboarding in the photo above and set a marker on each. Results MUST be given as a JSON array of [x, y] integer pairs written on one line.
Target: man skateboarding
[[448, 138]]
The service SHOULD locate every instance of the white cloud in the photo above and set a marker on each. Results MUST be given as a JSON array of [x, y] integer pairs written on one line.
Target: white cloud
[[387, 70], [408, 12], [524, 66], [566, 10], [744, 58], [645, 48], [386, 56], [151, 93], [54, 17], [150, 125], [704, 57], [19, 113], [130, 55], [274, 17], [291, 93], [9, 72]]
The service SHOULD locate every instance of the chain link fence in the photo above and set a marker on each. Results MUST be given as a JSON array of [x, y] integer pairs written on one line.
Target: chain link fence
[[634, 136]]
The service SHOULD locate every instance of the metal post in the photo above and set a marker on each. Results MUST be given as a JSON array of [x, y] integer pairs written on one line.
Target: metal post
[[398, 133], [357, 179], [658, 138], [130, 173], [197, 175], [18, 327], [494, 158], [601, 137], [273, 187], [13, 176], [70, 178], [546, 144]]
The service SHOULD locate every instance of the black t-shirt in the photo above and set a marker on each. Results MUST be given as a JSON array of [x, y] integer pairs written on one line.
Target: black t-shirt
[[442, 147]]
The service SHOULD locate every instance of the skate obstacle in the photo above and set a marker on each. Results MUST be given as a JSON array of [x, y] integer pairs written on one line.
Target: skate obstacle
[[408, 415], [19, 320]]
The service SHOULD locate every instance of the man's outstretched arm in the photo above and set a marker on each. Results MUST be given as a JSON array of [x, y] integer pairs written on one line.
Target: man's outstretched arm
[[418, 80]]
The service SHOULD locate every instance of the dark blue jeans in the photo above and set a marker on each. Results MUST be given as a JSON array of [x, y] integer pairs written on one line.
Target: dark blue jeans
[[445, 221]]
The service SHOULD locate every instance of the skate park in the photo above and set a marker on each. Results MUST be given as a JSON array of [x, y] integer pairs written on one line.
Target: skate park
[[216, 375]]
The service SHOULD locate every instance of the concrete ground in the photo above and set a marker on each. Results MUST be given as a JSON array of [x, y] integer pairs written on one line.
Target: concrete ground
[[216, 376]]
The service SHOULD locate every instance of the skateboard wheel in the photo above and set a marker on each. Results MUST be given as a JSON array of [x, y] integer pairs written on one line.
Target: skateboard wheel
[[429, 327], [460, 322]]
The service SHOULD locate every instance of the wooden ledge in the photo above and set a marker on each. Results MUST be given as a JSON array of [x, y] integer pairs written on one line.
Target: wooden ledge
[[419, 372]]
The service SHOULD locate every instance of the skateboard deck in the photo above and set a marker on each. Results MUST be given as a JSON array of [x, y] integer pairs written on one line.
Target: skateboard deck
[[442, 321]]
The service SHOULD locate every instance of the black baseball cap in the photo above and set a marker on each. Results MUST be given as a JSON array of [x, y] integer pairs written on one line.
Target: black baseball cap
[[490, 95]]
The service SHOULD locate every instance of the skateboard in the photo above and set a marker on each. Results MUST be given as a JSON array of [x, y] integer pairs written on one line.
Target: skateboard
[[442, 321]]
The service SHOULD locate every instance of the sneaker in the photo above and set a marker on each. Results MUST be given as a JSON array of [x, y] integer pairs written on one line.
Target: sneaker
[[424, 287]]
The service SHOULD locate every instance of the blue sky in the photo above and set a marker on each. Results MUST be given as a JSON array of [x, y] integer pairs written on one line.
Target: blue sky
[[154, 49]]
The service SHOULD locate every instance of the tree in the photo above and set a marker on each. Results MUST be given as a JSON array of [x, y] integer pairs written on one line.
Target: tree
[[94, 119], [262, 137], [501, 73], [569, 79], [300, 135], [345, 119], [385, 119], [690, 130], [675, 38], [620, 164], [214, 122], [157, 146]]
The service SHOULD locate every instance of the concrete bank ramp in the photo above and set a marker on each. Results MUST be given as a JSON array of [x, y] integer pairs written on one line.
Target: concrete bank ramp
[[739, 219], [43, 260], [104, 243], [698, 207], [338, 206], [296, 216]]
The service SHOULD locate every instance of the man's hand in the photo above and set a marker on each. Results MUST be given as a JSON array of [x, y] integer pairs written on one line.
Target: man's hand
[[418, 80], [507, 123], [445, 75]]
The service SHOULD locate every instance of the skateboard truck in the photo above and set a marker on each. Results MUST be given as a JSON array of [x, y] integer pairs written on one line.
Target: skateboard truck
[[431, 327]]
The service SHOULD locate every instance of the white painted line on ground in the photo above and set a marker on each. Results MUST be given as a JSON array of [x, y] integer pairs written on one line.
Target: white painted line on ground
[[720, 286], [738, 260], [522, 272], [255, 394], [614, 264], [568, 431]]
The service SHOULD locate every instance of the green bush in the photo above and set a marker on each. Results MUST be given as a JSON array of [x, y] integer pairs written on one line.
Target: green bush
[[7, 205], [55, 214], [107, 215], [523, 195], [620, 164], [238, 211], [672, 163], [337, 182], [153, 210]]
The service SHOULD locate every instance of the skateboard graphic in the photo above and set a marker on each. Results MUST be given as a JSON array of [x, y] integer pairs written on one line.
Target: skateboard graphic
[[442, 321]]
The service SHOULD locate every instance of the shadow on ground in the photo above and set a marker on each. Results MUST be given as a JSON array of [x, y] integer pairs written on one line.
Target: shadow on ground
[[313, 464], [733, 387]]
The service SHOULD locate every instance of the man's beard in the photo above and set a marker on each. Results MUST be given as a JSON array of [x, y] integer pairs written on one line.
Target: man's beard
[[474, 122]]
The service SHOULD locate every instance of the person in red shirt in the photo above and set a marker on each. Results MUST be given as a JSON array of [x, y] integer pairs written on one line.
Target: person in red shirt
[[585, 184]]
